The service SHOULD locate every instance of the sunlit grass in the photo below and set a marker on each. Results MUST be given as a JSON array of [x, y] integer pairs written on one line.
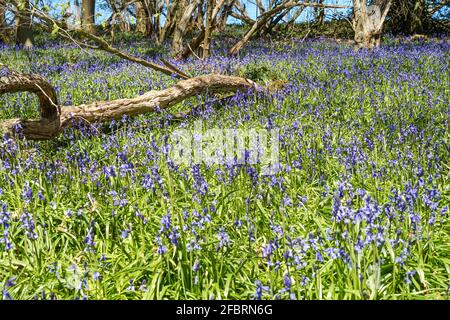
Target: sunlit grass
[[356, 212]]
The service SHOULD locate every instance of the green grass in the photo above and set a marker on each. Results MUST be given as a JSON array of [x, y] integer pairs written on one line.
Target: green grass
[[359, 120]]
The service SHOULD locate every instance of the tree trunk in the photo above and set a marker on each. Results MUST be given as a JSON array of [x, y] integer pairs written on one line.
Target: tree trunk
[[267, 29], [172, 13], [143, 20], [3, 34], [368, 22], [193, 46], [55, 118], [295, 16], [181, 28], [24, 31], [259, 23], [197, 41], [208, 29], [88, 15], [223, 17]]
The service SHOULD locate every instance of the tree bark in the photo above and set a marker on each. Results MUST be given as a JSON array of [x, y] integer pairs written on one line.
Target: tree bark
[[208, 29], [173, 11], [55, 118], [181, 28], [193, 46], [223, 17], [368, 22], [2, 20], [88, 15], [200, 16], [24, 31], [143, 20], [197, 41]]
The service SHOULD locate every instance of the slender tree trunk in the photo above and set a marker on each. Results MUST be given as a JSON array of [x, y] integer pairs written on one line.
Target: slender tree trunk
[[88, 15], [143, 20], [208, 29], [172, 13], [24, 31], [123, 23], [222, 20], [274, 22], [193, 46], [3, 35]]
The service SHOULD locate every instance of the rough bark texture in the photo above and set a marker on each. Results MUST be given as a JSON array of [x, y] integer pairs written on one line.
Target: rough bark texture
[[48, 102], [88, 15], [143, 20], [192, 47], [173, 11], [54, 118], [208, 28], [2, 20], [181, 28], [368, 22], [197, 41], [223, 17]]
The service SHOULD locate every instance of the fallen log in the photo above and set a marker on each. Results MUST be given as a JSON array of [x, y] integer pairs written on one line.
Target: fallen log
[[54, 118]]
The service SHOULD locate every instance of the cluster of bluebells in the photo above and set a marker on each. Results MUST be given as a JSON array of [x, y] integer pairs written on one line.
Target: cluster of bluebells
[[5, 224], [28, 225], [358, 158]]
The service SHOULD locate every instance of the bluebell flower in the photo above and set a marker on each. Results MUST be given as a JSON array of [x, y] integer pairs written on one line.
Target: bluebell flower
[[260, 288], [224, 239]]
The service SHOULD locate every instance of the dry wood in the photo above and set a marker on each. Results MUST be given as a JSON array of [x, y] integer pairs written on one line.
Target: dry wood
[[197, 41], [192, 47], [54, 118], [16, 82], [181, 28], [208, 28], [368, 22]]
